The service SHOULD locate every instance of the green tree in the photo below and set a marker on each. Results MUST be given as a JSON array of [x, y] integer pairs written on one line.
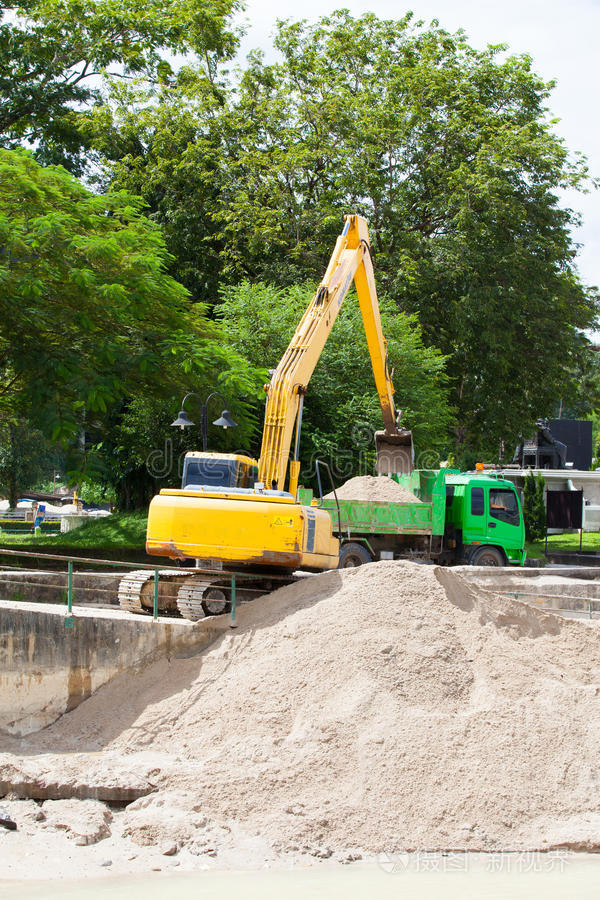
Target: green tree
[[135, 453], [447, 151], [534, 507], [57, 58], [581, 397], [449, 154], [167, 144], [25, 457], [342, 410], [89, 319]]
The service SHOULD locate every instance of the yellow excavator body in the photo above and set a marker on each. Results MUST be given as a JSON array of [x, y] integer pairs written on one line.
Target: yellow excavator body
[[232, 510], [233, 528]]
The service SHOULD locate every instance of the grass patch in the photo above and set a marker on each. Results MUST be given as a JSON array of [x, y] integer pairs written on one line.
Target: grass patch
[[567, 542], [591, 541], [120, 531], [535, 550]]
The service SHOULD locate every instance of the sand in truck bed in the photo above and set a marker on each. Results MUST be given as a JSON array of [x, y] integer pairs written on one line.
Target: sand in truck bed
[[373, 489]]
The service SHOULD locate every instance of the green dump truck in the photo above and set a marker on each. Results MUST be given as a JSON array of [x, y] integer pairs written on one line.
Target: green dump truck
[[461, 518]]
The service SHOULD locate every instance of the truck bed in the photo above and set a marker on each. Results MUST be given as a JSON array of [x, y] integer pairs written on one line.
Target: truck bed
[[381, 518]]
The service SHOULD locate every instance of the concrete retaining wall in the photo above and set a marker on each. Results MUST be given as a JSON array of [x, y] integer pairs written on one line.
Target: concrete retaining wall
[[564, 588], [48, 667], [89, 588]]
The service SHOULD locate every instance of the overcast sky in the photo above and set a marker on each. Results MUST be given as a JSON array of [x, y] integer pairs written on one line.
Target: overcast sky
[[562, 37]]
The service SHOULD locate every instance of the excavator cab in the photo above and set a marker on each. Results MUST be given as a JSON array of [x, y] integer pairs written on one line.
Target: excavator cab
[[218, 470]]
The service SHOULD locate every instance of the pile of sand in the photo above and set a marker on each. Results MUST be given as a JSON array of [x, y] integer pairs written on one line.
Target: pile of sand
[[382, 708], [373, 489]]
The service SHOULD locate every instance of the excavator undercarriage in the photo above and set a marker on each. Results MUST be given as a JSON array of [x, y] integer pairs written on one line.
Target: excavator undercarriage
[[195, 593]]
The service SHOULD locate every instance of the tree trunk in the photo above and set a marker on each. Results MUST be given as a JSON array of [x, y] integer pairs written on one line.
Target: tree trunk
[[13, 487], [135, 490], [13, 493]]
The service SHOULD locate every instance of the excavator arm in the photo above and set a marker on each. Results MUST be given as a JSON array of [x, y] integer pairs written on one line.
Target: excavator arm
[[351, 260]]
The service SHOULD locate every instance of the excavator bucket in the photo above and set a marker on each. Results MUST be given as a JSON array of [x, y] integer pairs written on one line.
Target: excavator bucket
[[395, 452]]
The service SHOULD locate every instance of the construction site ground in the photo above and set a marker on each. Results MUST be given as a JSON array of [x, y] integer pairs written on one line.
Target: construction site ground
[[468, 876], [353, 717]]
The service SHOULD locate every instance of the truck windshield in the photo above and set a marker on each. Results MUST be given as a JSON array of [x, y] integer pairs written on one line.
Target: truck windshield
[[210, 472]]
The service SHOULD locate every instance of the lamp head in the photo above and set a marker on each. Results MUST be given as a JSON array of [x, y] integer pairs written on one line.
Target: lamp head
[[182, 421], [225, 420]]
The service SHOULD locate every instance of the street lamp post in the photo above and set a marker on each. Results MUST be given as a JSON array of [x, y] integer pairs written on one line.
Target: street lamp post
[[183, 421]]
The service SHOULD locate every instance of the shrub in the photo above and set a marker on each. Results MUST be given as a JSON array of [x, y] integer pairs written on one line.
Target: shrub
[[534, 508]]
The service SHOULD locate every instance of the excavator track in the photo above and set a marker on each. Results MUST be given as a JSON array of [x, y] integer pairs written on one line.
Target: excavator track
[[137, 586], [193, 597]]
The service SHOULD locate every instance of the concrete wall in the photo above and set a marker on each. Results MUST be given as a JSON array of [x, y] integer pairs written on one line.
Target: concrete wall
[[48, 667], [591, 518], [558, 480], [561, 588], [69, 523], [89, 588]]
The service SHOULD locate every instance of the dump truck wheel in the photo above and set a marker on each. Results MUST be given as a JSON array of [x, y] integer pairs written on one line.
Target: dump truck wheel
[[487, 556], [352, 555]]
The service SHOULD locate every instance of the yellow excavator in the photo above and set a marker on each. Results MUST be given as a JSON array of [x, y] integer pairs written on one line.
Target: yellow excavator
[[233, 511]]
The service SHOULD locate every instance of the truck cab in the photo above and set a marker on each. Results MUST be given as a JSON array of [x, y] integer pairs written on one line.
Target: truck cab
[[484, 516]]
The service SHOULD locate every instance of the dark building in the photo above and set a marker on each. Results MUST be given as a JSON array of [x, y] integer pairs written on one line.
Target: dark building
[[557, 444], [577, 435], [542, 451]]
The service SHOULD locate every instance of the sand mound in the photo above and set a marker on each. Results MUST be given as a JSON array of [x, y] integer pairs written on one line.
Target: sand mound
[[387, 707], [373, 489]]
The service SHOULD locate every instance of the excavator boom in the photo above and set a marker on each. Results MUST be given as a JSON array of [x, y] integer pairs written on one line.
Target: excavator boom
[[351, 260]]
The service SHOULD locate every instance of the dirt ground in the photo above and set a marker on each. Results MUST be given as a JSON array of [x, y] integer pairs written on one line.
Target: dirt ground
[[388, 708]]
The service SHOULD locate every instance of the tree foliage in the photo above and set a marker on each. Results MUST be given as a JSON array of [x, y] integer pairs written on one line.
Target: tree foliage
[[448, 152], [86, 309], [25, 457], [137, 452], [534, 507], [341, 410], [57, 56], [89, 319], [167, 145]]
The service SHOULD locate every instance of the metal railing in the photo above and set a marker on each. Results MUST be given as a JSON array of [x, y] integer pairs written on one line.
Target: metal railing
[[540, 597], [236, 579], [586, 602]]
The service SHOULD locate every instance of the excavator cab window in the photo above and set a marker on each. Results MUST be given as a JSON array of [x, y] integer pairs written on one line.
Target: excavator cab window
[[210, 473], [247, 476], [218, 473]]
